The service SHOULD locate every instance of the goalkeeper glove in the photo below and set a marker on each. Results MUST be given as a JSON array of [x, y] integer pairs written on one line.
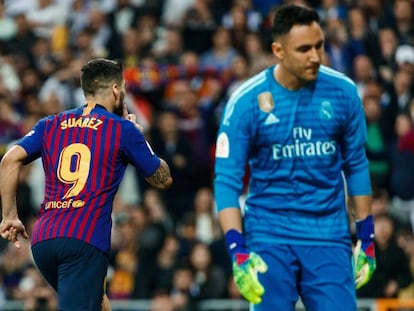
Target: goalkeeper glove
[[364, 252], [245, 267]]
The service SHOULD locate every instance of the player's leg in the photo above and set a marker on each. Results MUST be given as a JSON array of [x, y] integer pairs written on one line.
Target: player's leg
[[45, 260], [279, 280], [326, 281], [82, 275]]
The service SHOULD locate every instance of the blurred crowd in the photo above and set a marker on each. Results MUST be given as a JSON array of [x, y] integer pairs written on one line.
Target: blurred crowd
[[182, 59]]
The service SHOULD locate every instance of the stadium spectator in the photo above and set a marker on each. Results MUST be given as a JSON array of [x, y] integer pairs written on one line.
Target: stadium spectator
[[386, 65], [362, 72], [8, 26], [161, 301], [221, 54], [361, 39], [195, 125], [198, 22], [207, 276], [158, 276], [331, 10], [21, 44], [336, 47], [35, 292], [124, 260], [402, 162], [377, 146], [9, 126], [402, 91], [404, 20], [169, 48], [379, 14], [184, 292], [120, 19], [47, 17], [206, 222], [404, 57], [170, 143], [258, 57]]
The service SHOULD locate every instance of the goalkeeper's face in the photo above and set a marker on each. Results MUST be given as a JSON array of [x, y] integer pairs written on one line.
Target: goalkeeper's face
[[300, 52]]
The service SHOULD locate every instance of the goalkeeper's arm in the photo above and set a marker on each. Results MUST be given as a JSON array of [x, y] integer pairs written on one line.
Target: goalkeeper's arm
[[245, 264], [364, 253]]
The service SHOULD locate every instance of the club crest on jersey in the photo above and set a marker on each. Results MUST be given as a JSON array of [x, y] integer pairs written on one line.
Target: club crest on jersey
[[325, 111], [266, 102], [78, 203]]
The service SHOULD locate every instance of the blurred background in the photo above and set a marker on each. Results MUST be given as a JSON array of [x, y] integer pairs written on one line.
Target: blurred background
[[182, 59]]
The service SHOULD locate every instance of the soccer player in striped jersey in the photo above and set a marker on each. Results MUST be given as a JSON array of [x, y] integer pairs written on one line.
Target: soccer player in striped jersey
[[85, 152], [300, 127]]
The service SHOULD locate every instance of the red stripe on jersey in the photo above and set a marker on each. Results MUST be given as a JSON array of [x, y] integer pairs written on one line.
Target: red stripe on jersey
[[112, 161], [74, 215], [53, 184], [78, 216], [92, 204]]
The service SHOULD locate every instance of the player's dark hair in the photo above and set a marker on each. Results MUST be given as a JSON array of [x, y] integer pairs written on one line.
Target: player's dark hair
[[100, 73], [288, 15]]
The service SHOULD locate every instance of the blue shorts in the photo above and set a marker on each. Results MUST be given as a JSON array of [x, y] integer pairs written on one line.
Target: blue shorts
[[75, 269], [321, 275]]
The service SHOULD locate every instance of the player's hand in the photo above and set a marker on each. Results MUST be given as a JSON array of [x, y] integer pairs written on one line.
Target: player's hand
[[246, 265], [11, 229], [364, 252], [245, 269], [131, 117]]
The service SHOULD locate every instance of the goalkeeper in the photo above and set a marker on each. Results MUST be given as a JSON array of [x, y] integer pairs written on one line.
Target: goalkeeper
[[300, 127]]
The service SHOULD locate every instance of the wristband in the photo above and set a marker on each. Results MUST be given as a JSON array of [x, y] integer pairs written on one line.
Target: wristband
[[365, 228], [235, 242]]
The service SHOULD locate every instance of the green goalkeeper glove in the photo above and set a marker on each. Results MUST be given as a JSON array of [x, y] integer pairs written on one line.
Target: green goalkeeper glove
[[245, 267], [364, 252]]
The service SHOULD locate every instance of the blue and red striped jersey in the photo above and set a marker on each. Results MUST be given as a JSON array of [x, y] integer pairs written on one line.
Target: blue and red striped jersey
[[85, 152]]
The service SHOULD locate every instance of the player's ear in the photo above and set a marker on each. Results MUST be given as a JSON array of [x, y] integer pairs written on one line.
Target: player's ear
[[277, 50], [115, 90]]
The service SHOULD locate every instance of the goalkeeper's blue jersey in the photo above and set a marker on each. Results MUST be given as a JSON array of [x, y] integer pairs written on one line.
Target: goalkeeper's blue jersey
[[301, 146]]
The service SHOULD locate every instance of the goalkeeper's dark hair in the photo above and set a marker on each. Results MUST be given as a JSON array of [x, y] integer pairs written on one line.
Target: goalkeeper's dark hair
[[100, 73], [288, 15]]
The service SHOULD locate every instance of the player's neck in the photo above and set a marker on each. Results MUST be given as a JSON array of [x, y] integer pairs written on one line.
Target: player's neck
[[100, 101], [287, 79]]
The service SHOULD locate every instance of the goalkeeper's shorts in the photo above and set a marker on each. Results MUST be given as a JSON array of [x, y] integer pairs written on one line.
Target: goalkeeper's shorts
[[321, 275], [75, 269]]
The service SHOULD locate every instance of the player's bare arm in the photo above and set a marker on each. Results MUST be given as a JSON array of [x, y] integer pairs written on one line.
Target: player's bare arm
[[230, 218], [161, 179], [362, 206], [11, 226]]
